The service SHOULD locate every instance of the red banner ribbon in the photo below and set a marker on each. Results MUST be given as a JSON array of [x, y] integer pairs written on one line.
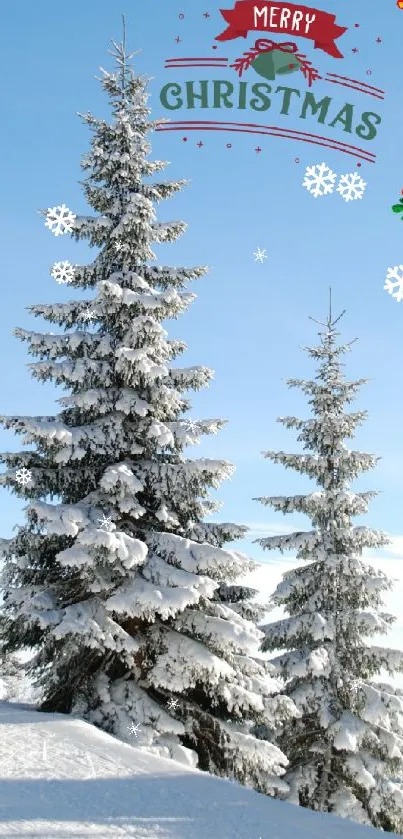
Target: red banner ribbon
[[268, 16]]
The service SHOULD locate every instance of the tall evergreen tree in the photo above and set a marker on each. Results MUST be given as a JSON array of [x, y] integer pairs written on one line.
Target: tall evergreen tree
[[115, 580], [346, 746]]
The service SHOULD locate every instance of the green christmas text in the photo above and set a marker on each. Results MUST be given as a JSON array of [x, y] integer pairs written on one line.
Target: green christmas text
[[242, 96]]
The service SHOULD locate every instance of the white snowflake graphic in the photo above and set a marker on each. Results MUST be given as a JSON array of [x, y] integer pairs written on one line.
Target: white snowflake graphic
[[106, 524], [319, 179], [394, 282], [60, 220], [23, 476], [173, 704], [260, 255], [62, 272], [89, 314], [351, 186], [134, 729]]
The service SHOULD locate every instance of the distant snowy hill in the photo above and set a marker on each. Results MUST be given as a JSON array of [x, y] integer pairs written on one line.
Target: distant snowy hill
[[60, 777]]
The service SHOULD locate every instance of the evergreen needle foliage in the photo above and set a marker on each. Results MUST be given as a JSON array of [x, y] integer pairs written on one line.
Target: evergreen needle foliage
[[116, 581], [346, 746]]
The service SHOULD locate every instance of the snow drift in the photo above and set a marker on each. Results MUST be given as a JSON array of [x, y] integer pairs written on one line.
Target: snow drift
[[60, 777]]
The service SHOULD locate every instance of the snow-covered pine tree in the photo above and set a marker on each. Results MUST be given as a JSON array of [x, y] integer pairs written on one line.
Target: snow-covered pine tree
[[127, 596], [346, 746]]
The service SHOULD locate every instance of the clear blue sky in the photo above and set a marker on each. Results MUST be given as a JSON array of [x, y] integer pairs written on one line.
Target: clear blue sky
[[250, 318]]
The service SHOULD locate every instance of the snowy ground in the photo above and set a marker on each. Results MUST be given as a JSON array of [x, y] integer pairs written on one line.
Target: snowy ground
[[60, 777]]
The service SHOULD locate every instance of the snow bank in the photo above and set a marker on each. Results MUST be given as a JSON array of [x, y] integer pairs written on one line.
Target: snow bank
[[60, 777]]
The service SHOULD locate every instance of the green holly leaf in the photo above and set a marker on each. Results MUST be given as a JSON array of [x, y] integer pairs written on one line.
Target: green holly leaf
[[398, 208]]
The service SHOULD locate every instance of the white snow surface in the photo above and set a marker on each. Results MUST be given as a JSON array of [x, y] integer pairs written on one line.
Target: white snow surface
[[61, 777]]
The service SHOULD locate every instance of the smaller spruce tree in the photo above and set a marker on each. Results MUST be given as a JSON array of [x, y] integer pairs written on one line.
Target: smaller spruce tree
[[346, 746]]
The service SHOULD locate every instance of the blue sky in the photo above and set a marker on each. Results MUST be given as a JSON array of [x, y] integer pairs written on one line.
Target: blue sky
[[250, 318]]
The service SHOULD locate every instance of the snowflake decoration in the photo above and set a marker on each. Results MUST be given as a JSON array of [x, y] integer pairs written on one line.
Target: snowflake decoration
[[134, 729], [173, 704], [106, 524], [260, 255], [89, 314], [351, 186], [62, 272], [319, 179], [394, 282], [23, 476], [60, 220]]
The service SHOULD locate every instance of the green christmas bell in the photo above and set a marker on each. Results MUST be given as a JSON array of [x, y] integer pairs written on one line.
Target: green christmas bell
[[275, 63]]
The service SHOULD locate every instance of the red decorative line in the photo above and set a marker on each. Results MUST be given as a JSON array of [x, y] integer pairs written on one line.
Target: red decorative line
[[363, 84], [205, 63], [353, 87], [209, 58], [273, 130], [196, 122]]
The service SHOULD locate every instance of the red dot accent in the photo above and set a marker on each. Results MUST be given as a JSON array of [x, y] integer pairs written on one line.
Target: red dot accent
[[358, 164], [214, 47]]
